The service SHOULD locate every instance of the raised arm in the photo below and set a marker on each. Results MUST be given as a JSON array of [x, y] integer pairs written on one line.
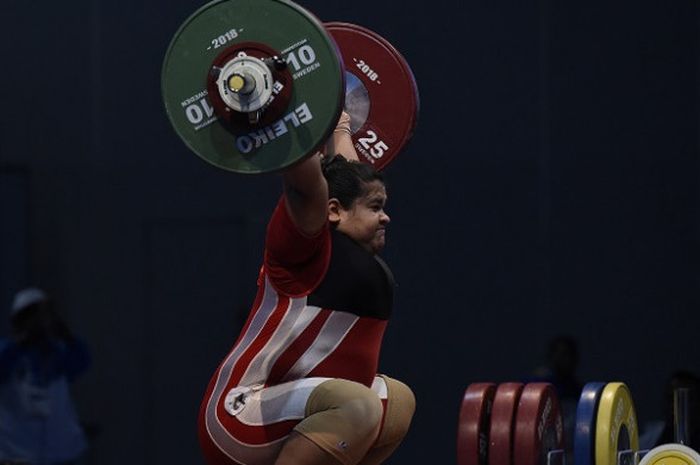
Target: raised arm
[[340, 143], [305, 188], [306, 194]]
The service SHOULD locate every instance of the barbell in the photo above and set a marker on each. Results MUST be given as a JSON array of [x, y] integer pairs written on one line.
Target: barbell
[[254, 86]]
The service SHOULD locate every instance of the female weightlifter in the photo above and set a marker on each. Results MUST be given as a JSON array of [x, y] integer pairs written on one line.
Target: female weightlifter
[[300, 385]]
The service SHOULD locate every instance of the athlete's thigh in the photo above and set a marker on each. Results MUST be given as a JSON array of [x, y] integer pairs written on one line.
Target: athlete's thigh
[[249, 425]]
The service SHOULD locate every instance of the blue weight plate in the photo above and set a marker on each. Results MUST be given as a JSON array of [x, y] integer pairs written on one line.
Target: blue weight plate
[[584, 435]]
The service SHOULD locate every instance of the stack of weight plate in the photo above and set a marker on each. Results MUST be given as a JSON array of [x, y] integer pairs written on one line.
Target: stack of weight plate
[[521, 424], [509, 424], [606, 425], [607, 433]]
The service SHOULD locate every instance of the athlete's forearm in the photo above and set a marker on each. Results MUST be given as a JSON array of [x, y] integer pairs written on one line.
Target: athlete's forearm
[[340, 142]]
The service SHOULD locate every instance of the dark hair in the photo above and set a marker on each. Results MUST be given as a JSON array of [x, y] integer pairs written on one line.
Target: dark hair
[[347, 180]]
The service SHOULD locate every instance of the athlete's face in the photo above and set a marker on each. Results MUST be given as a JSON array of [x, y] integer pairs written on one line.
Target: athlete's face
[[366, 220]]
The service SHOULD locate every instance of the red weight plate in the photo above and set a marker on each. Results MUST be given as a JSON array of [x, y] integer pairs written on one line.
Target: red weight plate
[[505, 405], [381, 94], [474, 416], [538, 425]]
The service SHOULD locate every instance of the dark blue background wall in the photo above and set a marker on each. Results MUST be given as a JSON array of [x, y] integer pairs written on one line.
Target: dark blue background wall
[[551, 187]]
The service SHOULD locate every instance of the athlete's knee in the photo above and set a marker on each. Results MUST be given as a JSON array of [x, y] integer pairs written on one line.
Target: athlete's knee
[[403, 397], [343, 418], [353, 402]]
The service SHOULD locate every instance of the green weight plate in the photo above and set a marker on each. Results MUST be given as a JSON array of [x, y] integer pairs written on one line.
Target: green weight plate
[[318, 86]]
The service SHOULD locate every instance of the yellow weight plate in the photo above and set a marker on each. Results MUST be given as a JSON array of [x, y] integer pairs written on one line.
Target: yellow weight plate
[[616, 424], [671, 454]]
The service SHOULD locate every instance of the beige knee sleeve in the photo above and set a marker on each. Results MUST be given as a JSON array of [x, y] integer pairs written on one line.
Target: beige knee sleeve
[[400, 406], [343, 418]]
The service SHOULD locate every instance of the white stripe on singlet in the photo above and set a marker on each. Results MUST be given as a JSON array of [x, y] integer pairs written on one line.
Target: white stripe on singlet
[[237, 451], [329, 338], [277, 403], [296, 319], [287, 401], [379, 386]]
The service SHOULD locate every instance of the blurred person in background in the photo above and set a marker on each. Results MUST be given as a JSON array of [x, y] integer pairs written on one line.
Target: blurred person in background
[[38, 421], [662, 431], [560, 369]]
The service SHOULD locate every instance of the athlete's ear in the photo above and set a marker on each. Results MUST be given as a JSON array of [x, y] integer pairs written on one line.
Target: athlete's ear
[[334, 209]]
